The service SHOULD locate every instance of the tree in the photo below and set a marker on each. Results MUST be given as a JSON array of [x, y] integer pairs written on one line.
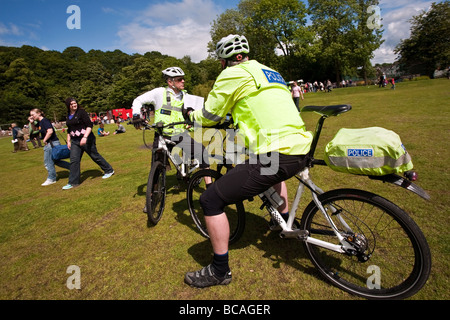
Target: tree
[[332, 20], [338, 42], [270, 26], [21, 93], [428, 47], [366, 38]]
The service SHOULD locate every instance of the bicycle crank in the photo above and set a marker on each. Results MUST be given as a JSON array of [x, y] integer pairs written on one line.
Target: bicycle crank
[[295, 234]]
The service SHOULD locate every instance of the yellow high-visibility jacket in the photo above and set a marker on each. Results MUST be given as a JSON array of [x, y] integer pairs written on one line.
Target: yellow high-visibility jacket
[[261, 106]]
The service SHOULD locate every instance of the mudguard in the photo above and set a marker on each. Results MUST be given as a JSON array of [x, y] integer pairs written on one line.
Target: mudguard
[[404, 183]]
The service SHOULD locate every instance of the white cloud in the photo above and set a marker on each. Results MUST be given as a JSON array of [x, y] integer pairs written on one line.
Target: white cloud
[[173, 28], [396, 25], [11, 30]]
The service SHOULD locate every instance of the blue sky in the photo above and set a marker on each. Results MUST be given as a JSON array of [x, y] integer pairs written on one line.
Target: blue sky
[[176, 28]]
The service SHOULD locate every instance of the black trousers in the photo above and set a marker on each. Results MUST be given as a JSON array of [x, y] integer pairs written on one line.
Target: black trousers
[[250, 179], [76, 153]]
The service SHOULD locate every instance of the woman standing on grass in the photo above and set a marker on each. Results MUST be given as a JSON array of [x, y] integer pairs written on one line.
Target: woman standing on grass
[[80, 139], [48, 136]]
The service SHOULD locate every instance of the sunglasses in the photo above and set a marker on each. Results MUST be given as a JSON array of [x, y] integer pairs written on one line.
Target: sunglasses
[[178, 79]]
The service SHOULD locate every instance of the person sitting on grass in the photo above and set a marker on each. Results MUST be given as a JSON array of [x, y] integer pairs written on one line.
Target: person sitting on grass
[[101, 131], [120, 128]]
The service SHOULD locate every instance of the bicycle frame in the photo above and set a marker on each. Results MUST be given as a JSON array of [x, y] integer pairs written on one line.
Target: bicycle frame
[[287, 230], [287, 226], [185, 167]]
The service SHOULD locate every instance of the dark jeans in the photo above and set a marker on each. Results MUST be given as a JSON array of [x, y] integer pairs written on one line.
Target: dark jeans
[[297, 102], [76, 153]]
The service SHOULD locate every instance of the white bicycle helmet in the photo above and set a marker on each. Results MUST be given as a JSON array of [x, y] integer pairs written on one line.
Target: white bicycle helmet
[[173, 72], [231, 45]]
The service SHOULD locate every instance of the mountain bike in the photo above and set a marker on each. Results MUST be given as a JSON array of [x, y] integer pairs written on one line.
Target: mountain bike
[[359, 241], [156, 183], [162, 156]]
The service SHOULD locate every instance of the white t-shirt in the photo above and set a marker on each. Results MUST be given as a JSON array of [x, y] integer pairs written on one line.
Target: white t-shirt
[[156, 98], [296, 91]]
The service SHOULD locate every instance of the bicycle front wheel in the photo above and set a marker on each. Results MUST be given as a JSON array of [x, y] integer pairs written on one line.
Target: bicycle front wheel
[[156, 192], [235, 213], [391, 260]]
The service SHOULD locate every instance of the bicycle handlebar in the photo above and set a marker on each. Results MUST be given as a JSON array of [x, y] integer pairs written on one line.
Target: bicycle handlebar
[[161, 125]]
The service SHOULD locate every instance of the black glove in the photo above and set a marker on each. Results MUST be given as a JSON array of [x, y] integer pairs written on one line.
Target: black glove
[[186, 117], [137, 122]]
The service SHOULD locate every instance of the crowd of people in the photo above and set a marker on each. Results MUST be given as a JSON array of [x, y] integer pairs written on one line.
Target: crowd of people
[[80, 139], [326, 86]]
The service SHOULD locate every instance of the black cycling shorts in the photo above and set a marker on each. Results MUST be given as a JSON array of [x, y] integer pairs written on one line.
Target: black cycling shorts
[[250, 179]]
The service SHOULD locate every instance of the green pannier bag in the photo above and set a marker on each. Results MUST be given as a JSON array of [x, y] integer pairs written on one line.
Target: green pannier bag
[[371, 151]]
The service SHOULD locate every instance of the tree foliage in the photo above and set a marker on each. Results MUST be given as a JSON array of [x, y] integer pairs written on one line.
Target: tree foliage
[[428, 47], [270, 26], [337, 42], [100, 81]]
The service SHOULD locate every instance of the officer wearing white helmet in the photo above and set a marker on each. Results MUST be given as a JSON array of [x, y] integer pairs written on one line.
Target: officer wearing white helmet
[[262, 107], [168, 103], [165, 99]]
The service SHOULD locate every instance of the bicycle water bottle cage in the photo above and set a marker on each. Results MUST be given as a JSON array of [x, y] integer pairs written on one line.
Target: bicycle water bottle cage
[[271, 196]]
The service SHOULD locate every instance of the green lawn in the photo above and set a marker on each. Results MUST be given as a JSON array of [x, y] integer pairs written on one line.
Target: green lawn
[[100, 227]]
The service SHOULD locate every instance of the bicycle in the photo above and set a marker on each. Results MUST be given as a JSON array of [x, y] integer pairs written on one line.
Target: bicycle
[[359, 241], [156, 183]]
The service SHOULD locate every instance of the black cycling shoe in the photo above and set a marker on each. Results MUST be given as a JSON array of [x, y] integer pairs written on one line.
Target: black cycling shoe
[[205, 277]]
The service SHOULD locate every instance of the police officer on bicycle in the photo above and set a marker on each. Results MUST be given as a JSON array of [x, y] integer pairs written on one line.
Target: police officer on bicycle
[[169, 103], [269, 122]]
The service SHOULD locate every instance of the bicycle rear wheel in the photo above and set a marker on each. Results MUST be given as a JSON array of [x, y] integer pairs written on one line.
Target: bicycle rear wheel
[[156, 192], [235, 213], [393, 260]]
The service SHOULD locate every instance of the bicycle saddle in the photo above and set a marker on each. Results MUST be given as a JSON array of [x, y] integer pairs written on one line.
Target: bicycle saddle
[[328, 110]]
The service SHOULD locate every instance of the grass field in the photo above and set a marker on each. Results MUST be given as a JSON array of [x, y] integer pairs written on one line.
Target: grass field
[[100, 227]]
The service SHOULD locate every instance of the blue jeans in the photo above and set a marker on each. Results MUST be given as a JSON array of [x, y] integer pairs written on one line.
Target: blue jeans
[[50, 164], [76, 153]]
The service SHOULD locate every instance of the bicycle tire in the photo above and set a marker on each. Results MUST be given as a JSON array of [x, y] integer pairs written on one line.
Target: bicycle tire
[[235, 213], [400, 260], [156, 192]]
